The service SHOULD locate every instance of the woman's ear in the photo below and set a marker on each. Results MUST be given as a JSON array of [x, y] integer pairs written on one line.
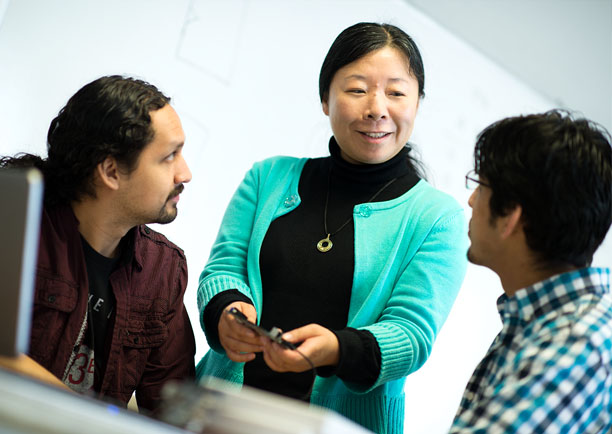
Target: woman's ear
[[325, 107], [108, 173]]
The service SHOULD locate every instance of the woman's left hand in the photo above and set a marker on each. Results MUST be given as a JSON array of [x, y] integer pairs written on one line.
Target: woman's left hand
[[317, 343]]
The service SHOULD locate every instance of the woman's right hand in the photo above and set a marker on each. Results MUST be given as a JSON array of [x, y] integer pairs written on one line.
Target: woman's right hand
[[240, 342]]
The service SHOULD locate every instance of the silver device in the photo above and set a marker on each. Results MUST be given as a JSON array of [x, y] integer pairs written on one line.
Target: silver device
[[21, 196]]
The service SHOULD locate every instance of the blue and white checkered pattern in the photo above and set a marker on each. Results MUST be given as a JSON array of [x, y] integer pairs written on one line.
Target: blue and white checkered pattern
[[549, 370]]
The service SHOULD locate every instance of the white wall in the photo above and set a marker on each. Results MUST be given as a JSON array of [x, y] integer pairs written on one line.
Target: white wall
[[243, 76], [562, 49]]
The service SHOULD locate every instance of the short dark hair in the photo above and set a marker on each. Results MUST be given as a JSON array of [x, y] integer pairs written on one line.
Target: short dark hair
[[559, 170], [107, 117], [360, 39]]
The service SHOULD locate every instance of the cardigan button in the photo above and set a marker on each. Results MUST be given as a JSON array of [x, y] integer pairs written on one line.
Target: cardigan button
[[147, 230], [365, 211], [290, 201], [51, 299]]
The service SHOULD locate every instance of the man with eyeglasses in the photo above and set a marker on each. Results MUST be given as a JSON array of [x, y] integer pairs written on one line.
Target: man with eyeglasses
[[542, 205]]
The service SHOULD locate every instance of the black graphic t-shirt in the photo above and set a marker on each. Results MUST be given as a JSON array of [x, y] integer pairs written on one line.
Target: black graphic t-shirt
[[101, 306]]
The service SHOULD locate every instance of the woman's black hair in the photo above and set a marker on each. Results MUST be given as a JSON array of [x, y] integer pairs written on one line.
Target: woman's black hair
[[361, 39]]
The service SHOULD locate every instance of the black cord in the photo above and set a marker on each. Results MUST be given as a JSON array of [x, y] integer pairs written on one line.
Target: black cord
[[350, 218], [314, 375]]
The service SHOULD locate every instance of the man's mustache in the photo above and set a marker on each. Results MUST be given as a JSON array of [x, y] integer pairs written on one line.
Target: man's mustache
[[178, 190]]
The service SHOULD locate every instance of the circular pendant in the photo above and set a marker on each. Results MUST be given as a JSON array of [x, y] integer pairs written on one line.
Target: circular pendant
[[325, 245]]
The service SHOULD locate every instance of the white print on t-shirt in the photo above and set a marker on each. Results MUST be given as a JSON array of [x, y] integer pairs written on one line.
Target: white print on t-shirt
[[98, 305]]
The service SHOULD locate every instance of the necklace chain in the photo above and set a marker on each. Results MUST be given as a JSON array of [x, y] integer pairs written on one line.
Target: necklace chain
[[325, 244]]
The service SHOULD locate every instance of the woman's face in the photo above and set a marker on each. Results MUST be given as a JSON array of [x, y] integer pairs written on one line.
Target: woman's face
[[371, 106]]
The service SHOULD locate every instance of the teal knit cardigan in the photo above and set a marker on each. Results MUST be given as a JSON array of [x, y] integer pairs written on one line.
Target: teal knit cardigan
[[410, 260]]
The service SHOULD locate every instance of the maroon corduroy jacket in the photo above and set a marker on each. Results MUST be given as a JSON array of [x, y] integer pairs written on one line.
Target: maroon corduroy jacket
[[151, 339]]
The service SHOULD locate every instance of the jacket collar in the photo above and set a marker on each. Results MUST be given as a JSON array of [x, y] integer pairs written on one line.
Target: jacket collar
[[130, 244]]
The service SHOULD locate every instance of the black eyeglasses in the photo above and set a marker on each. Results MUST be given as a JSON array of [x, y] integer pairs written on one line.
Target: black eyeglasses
[[471, 182]]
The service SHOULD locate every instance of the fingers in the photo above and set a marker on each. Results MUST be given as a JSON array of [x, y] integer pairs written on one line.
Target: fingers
[[247, 309], [304, 333], [240, 343], [241, 352], [280, 359], [317, 343]]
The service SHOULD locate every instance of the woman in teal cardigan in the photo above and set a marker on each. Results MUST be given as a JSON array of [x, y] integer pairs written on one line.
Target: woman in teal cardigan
[[354, 256]]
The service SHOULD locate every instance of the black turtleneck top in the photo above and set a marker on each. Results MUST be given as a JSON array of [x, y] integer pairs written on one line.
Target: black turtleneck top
[[302, 285]]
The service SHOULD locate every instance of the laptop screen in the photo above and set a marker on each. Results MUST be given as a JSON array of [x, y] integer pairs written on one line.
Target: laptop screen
[[21, 196]]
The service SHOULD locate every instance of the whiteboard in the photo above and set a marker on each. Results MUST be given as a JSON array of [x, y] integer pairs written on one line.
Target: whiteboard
[[243, 76]]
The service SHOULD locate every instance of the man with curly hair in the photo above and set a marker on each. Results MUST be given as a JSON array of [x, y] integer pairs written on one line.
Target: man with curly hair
[[108, 316]]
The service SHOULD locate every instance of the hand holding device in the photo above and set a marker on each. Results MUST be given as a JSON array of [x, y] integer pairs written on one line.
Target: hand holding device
[[274, 334], [240, 344]]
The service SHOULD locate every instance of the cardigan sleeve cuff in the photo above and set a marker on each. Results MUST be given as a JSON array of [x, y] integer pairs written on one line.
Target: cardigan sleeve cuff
[[359, 358], [212, 314]]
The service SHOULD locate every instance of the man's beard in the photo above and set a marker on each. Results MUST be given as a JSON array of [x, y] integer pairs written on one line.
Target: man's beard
[[164, 215]]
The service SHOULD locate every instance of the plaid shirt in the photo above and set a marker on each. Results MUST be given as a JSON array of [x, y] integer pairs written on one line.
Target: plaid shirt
[[549, 369]]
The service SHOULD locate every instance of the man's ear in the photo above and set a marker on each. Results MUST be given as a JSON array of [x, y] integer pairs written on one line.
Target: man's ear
[[108, 173], [511, 222]]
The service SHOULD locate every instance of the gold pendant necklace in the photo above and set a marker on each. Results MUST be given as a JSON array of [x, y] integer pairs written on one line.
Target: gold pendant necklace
[[325, 244]]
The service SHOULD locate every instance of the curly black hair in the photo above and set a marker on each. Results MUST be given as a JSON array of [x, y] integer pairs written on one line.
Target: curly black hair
[[107, 117]]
